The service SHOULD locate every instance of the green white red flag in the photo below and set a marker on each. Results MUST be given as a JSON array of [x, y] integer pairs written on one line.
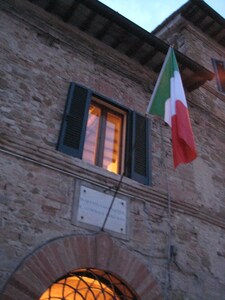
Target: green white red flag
[[168, 101]]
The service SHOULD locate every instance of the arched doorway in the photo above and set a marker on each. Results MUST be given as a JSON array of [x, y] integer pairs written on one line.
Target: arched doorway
[[88, 284], [95, 255]]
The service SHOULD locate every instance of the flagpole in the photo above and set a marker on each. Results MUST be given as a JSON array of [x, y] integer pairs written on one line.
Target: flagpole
[[169, 234]]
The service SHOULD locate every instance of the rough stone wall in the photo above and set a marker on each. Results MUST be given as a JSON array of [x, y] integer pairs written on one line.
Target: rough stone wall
[[200, 245], [38, 183]]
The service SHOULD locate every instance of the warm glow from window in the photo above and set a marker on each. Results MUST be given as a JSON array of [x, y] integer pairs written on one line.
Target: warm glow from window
[[221, 73], [88, 284], [103, 140], [79, 288], [111, 156]]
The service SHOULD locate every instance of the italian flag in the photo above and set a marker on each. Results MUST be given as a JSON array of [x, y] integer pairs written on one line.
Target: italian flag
[[168, 101]]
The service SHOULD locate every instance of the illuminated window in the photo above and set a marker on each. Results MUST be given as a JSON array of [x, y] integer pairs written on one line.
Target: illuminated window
[[219, 67], [88, 284], [106, 134], [103, 144]]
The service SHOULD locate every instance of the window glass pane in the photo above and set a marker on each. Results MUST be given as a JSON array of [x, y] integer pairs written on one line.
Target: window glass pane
[[90, 144], [112, 144]]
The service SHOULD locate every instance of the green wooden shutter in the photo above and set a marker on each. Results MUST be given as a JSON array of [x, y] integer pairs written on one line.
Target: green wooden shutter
[[72, 133], [138, 152]]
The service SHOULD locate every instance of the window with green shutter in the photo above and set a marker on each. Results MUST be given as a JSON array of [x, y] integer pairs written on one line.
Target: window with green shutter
[[219, 67], [105, 134]]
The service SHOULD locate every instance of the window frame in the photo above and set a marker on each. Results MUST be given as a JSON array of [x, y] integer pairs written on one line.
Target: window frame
[[106, 108]]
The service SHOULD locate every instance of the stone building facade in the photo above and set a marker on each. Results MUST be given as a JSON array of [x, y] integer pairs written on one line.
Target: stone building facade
[[168, 239]]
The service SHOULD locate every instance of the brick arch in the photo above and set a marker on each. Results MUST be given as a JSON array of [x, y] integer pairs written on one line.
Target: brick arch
[[58, 257]]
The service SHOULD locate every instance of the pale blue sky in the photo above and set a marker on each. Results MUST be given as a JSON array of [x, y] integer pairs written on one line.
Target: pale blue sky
[[150, 13]]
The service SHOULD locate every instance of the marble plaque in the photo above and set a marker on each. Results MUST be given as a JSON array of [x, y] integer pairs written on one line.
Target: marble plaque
[[94, 206]]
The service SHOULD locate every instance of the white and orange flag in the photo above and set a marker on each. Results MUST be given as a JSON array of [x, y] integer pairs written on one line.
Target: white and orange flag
[[168, 101]]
